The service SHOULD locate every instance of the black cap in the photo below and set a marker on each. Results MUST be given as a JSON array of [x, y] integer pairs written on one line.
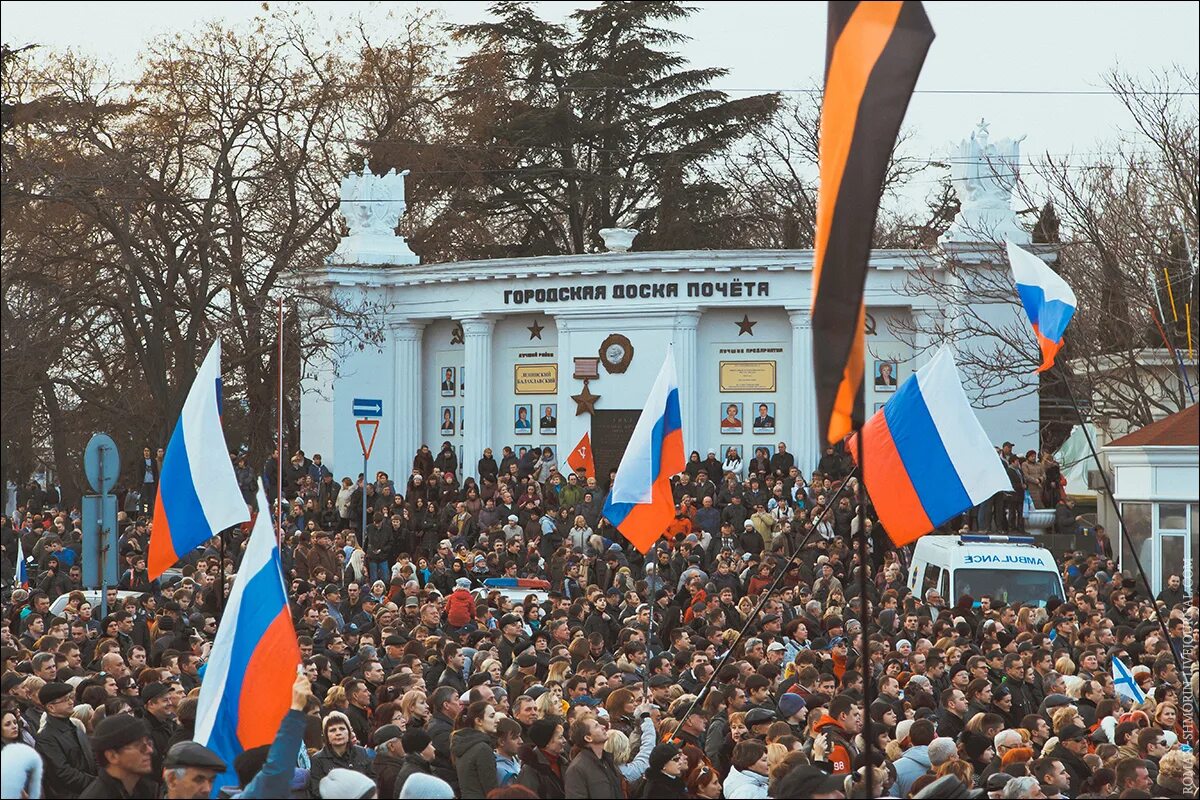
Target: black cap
[[661, 680], [757, 716], [153, 691], [387, 733], [662, 754], [509, 619], [52, 691], [115, 732], [526, 660], [414, 739], [1072, 733], [193, 754]]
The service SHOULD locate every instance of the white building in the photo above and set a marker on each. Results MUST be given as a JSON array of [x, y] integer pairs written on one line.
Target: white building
[[471, 344], [1156, 472]]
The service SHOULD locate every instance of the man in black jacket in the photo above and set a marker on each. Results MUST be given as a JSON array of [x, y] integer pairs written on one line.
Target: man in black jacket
[[63, 747], [419, 753], [1071, 748], [123, 745], [446, 707]]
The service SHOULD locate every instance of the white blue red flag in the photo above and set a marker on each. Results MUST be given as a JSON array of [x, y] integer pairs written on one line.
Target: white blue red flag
[[198, 494], [22, 576], [1047, 298], [640, 504], [1124, 683], [247, 686], [926, 458]]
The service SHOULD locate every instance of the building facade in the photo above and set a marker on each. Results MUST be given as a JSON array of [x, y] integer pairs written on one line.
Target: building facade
[[497, 353]]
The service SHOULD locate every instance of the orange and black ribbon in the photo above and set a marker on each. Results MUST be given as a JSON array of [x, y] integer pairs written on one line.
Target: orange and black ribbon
[[873, 56]]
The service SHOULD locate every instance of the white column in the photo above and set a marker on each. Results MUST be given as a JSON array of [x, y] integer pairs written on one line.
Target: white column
[[570, 427], [405, 416], [805, 441], [686, 368], [477, 434]]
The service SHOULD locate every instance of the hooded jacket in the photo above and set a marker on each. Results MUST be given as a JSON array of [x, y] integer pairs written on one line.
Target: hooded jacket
[[841, 753], [910, 766], [474, 762], [741, 785]]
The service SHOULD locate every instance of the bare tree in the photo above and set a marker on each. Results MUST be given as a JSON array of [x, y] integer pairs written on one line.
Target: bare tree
[[1122, 217]]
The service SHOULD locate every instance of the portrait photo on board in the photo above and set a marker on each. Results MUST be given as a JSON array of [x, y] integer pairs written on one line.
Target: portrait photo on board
[[885, 376], [522, 424], [731, 418], [764, 418]]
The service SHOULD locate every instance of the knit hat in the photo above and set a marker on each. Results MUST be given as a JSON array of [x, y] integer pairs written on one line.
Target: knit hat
[[462, 583], [426, 786], [115, 732], [386, 734], [540, 732], [902, 728], [346, 783], [53, 691], [974, 744], [662, 754], [415, 740], [790, 703]]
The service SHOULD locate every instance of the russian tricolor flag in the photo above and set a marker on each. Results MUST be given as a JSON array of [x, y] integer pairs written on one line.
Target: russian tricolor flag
[[640, 503], [247, 686], [21, 578], [1047, 298], [198, 494], [925, 456]]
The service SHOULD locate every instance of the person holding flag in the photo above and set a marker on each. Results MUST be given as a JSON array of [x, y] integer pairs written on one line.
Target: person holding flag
[[247, 684]]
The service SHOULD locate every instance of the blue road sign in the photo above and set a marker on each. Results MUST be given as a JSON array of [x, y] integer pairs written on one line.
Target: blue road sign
[[101, 463], [368, 408], [99, 540]]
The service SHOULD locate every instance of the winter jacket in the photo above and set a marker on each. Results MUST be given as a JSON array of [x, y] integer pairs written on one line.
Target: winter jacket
[[474, 762], [70, 764], [591, 778], [325, 761], [910, 766], [841, 752], [659, 785], [507, 769], [538, 775], [411, 764], [745, 785], [275, 778], [637, 766]]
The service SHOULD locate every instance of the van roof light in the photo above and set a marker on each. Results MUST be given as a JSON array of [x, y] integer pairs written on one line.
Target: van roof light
[[975, 538]]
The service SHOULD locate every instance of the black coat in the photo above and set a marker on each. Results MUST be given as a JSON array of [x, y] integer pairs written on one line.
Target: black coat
[[69, 766], [659, 785], [325, 761], [106, 787], [411, 764], [537, 774]]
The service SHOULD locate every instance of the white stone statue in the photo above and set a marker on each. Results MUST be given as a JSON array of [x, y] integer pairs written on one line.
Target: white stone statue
[[373, 206], [984, 174]]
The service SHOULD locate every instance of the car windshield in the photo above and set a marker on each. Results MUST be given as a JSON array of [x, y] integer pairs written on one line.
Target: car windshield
[[1013, 587]]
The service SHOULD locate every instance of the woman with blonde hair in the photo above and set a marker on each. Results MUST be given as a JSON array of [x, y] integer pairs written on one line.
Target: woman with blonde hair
[[550, 704], [632, 765], [493, 669], [558, 671], [1064, 666], [336, 700], [959, 769], [776, 753], [415, 707], [1064, 716]]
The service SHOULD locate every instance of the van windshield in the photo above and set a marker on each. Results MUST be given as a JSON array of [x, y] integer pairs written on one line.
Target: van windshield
[[1012, 587]]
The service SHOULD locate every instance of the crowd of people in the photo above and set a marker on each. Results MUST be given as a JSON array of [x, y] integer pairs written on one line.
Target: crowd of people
[[729, 661]]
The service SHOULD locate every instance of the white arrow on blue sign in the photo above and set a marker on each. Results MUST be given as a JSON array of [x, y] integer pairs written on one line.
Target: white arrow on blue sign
[[368, 408]]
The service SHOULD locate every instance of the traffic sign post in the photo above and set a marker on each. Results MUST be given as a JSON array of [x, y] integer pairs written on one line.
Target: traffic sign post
[[101, 466], [367, 429]]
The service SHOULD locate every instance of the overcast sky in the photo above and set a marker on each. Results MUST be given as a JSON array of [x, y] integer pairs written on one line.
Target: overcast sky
[[987, 54]]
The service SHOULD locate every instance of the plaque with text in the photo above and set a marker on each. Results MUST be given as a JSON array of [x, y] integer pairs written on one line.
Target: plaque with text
[[535, 379], [747, 376], [611, 432]]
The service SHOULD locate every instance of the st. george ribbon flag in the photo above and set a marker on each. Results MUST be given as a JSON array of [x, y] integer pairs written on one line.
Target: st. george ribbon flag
[[198, 494], [247, 685], [926, 457], [1047, 298], [640, 503], [874, 52]]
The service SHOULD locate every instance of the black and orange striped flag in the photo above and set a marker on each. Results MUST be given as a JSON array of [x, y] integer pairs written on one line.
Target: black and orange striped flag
[[873, 56]]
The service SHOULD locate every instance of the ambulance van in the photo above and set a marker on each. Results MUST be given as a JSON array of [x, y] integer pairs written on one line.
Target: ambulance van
[[1010, 569]]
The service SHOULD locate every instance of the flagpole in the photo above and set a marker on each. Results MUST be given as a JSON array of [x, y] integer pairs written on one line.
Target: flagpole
[[864, 614], [279, 439], [1108, 490]]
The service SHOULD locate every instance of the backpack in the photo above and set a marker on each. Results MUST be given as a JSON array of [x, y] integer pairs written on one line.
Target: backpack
[[460, 608]]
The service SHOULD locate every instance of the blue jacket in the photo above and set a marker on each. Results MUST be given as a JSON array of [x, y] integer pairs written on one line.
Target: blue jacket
[[910, 766], [275, 778], [507, 769]]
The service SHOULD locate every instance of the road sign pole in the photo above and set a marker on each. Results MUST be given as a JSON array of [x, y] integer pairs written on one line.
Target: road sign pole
[[103, 540], [367, 445]]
